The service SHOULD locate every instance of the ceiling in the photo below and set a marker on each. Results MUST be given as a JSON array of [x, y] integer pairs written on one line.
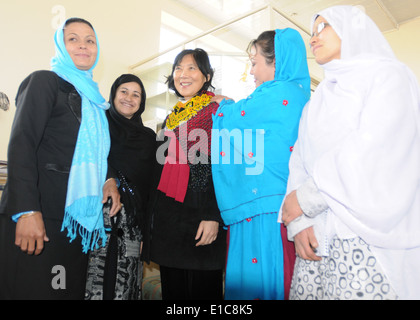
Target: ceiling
[[235, 22], [225, 27], [387, 14]]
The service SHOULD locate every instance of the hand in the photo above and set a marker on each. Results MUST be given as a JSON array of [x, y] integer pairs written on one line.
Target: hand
[[31, 234], [291, 208], [208, 231], [110, 190], [305, 244], [218, 98]]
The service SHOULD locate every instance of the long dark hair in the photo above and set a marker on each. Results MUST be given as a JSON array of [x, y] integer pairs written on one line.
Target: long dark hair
[[203, 62]]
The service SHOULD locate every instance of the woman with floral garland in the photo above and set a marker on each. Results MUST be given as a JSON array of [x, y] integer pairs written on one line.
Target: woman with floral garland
[[186, 236]]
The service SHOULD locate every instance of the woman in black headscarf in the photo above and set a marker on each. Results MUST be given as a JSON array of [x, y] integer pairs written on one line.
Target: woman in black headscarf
[[115, 271]]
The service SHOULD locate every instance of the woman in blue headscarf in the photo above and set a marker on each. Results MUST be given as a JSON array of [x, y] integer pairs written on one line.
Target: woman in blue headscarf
[[251, 146], [51, 209]]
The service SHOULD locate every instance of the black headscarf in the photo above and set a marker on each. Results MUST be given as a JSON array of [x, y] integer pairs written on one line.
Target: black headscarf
[[133, 145], [132, 157]]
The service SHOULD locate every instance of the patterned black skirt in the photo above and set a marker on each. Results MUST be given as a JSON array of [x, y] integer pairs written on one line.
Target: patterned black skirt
[[115, 271]]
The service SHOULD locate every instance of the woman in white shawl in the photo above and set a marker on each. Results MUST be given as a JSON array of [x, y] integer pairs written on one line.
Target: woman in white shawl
[[353, 198]]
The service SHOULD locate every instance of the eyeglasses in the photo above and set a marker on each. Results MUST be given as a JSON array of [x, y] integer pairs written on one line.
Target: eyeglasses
[[321, 26]]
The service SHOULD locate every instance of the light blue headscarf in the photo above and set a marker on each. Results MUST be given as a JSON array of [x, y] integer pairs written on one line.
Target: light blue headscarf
[[83, 209]]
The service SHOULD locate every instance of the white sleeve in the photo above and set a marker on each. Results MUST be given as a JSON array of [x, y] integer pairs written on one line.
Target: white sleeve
[[310, 199]]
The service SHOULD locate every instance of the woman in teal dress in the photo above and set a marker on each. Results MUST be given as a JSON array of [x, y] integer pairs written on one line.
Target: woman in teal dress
[[251, 146]]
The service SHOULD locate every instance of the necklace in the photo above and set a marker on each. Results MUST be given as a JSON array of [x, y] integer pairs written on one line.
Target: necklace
[[184, 112]]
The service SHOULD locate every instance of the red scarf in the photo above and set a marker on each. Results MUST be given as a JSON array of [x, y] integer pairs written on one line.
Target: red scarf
[[176, 171]]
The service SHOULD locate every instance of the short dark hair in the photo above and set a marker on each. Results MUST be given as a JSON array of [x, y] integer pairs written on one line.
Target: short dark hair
[[75, 19], [266, 42], [203, 62]]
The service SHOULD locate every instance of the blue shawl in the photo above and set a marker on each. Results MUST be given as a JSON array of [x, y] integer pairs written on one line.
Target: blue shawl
[[252, 139], [83, 209]]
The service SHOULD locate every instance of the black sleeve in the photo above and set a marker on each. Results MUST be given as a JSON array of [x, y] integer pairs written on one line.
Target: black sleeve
[[211, 210], [34, 102], [111, 173]]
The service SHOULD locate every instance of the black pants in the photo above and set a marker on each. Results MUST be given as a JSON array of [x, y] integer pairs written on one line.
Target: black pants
[[59, 272], [180, 284]]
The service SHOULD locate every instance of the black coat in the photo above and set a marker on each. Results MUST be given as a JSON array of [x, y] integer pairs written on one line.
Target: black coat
[[169, 238], [41, 147]]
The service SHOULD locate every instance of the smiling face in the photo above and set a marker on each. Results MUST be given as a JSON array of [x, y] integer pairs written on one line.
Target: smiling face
[[188, 79], [325, 45], [261, 71], [80, 41], [127, 99]]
